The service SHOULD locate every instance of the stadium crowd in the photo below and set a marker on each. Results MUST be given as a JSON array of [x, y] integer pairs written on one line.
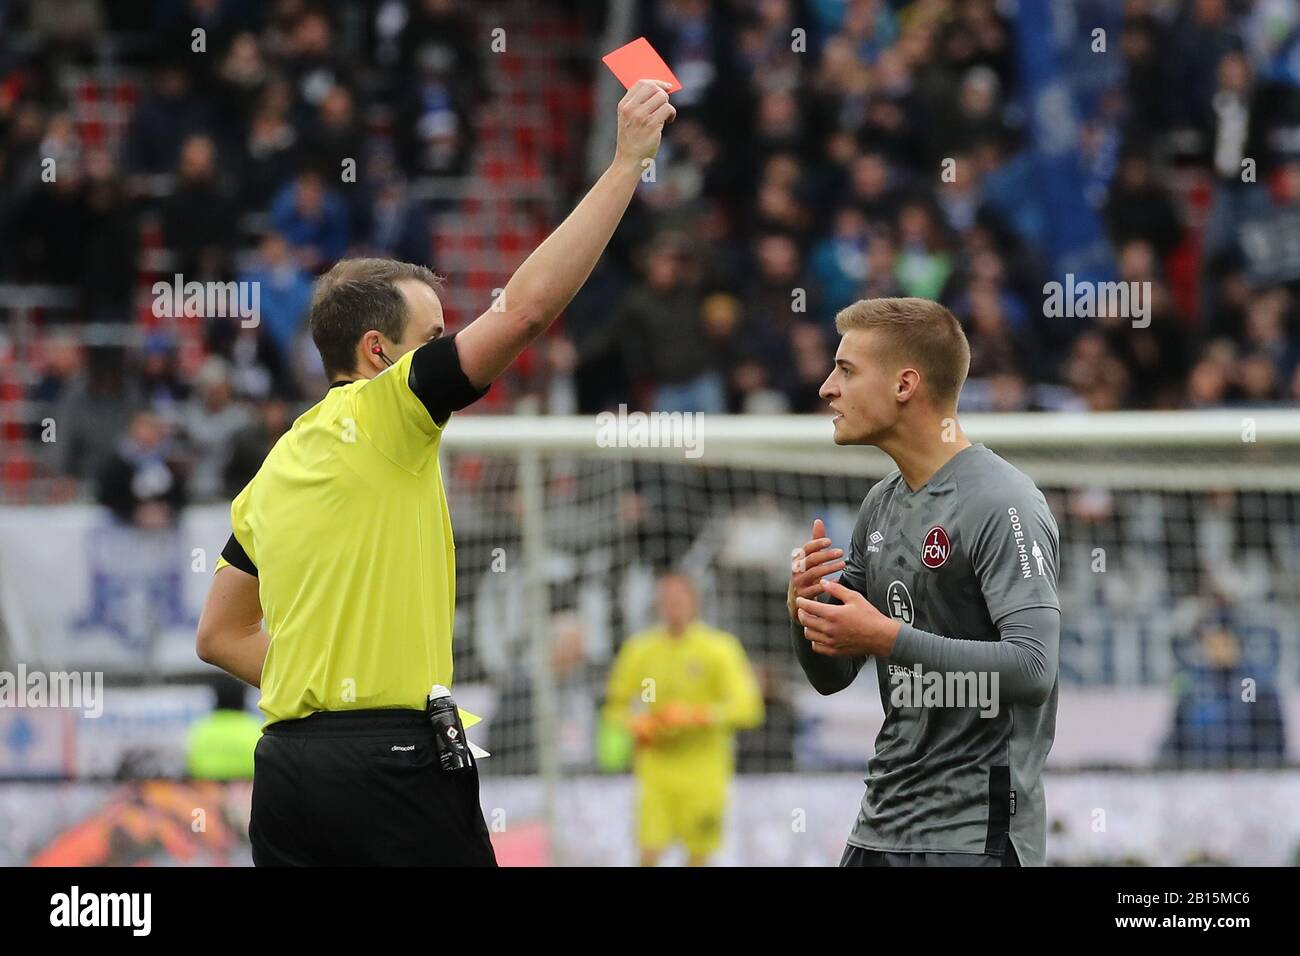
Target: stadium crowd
[[824, 151], [823, 170]]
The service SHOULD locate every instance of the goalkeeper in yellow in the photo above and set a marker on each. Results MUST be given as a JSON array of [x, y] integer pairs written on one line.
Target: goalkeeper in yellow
[[682, 689]]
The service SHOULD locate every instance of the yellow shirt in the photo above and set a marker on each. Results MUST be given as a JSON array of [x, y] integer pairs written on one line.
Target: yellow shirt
[[703, 666], [348, 526]]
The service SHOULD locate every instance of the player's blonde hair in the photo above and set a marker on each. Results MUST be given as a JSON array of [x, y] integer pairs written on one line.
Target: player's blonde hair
[[919, 333]]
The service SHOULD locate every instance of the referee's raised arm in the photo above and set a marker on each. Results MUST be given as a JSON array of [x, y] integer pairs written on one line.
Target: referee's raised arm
[[553, 274]]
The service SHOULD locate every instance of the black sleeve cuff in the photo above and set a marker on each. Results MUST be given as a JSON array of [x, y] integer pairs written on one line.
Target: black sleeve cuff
[[438, 380], [237, 557]]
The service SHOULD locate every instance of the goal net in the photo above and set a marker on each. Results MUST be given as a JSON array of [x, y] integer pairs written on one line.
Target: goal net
[[1179, 585]]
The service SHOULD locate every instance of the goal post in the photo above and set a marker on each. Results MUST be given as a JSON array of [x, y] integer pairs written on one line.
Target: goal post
[[1247, 447]]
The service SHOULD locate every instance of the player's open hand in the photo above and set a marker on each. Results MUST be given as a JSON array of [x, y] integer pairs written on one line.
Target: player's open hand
[[853, 628], [642, 113], [809, 564]]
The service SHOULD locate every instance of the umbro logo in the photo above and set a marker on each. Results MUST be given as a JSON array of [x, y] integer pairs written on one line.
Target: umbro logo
[[875, 539]]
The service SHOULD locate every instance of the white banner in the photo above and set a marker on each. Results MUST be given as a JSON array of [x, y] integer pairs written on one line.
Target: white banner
[[81, 592]]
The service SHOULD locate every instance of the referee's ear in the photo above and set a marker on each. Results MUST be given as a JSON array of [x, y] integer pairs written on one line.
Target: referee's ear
[[374, 354]]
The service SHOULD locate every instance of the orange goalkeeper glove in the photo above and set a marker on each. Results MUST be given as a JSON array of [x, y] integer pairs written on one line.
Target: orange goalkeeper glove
[[679, 715]]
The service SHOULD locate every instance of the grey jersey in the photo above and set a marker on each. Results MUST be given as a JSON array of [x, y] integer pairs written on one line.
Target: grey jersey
[[962, 562]]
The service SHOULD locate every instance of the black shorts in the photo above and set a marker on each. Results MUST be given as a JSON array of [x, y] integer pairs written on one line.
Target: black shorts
[[856, 856], [362, 788]]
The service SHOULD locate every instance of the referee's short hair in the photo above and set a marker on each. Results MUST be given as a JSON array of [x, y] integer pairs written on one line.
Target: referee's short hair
[[917, 332], [358, 295]]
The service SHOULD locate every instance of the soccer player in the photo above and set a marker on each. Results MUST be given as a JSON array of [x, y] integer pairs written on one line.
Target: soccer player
[[342, 545], [700, 690], [951, 571]]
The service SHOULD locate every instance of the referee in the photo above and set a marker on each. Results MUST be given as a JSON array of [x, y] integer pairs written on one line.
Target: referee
[[335, 593]]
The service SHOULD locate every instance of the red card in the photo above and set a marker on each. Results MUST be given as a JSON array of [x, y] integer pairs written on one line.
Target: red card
[[639, 61]]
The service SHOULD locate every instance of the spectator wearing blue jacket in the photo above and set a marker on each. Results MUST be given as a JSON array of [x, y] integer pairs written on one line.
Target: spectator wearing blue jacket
[[313, 219], [284, 291]]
